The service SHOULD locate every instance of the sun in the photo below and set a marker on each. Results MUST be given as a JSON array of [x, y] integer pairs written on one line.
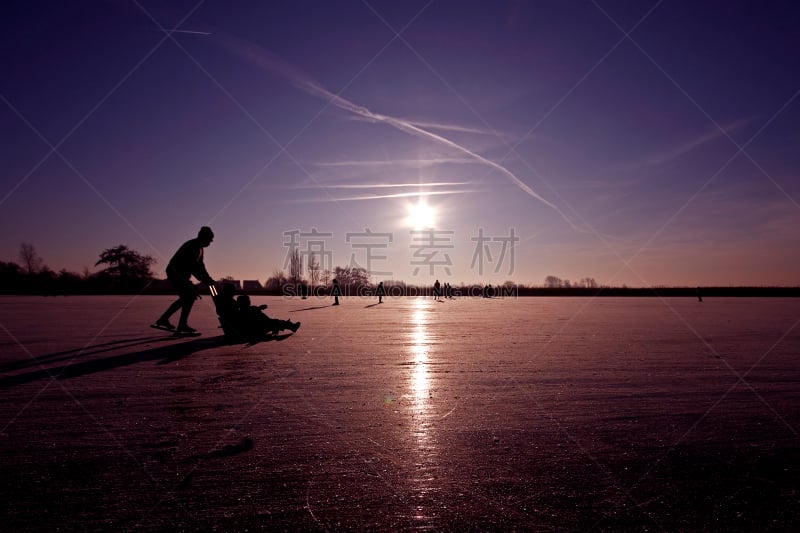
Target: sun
[[421, 215]]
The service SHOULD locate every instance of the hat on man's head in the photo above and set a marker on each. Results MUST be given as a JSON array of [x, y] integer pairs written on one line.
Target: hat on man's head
[[205, 232]]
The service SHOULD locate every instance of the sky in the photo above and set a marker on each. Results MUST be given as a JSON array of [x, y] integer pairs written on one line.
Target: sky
[[639, 143]]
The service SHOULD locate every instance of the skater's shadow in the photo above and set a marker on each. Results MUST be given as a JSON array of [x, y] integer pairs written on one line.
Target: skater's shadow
[[79, 352], [165, 354], [269, 338], [371, 305], [310, 308]]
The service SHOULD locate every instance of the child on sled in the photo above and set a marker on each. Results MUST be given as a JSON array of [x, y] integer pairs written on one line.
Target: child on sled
[[255, 324], [242, 321]]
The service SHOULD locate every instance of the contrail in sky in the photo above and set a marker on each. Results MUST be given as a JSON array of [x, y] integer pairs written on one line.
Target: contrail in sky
[[414, 163], [723, 130], [385, 185], [316, 90], [422, 194], [190, 32], [445, 127], [302, 81]]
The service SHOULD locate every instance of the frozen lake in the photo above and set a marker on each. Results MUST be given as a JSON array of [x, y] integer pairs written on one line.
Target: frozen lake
[[480, 414]]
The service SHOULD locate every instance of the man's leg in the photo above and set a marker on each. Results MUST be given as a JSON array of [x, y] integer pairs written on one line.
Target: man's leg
[[186, 308], [186, 303], [163, 320], [179, 285], [188, 295]]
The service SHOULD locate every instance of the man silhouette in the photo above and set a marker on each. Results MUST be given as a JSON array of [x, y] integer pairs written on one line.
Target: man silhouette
[[187, 262], [336, 291], [380, 292]]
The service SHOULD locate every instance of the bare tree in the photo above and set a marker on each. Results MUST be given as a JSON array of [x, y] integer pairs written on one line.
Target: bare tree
[[313, 270], [552, 282], [352, 276], [276, 281], [31, 262], [295, 266]]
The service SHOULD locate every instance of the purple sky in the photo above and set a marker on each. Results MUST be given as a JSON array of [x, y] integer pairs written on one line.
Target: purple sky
[[639, 143]]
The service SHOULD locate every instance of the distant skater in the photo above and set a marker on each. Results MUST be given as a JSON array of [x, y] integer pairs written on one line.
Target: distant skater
[[436, 290], [336, 291], [187, 262], [699, 295], [380, 292]]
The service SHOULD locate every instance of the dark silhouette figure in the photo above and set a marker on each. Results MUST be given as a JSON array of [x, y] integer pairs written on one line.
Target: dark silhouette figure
[[699, 295], [380, 292], [187, 262], [336, 291], [437, 288], [241, 321], [488, 291], [228, 313], [254, 325], [303, 290]]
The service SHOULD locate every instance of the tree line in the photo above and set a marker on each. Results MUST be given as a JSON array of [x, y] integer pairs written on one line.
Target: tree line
[[554, 282], [125, 271]]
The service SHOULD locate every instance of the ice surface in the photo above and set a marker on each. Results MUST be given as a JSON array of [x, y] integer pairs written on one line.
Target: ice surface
[[487, 414]]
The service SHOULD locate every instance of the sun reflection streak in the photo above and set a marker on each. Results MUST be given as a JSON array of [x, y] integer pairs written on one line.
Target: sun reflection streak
[[419, 350], [427, 465]]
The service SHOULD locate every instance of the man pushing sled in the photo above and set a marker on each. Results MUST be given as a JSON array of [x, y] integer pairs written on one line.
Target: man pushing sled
[[187, 262]]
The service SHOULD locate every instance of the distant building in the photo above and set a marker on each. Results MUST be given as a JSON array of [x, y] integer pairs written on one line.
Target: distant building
[[251, 285], [235, 282]]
